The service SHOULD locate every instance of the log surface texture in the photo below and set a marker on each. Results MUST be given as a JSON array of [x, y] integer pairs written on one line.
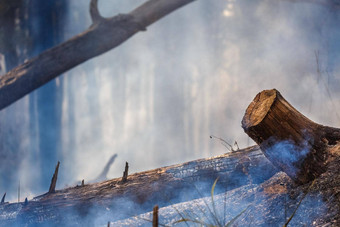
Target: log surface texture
[[162, 186], [296, 145]]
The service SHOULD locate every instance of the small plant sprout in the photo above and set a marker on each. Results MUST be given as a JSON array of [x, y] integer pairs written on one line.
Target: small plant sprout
[[230, 147]]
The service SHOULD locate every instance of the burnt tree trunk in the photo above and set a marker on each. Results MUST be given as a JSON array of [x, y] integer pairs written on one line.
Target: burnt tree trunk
[[292, 142], [162, 186]]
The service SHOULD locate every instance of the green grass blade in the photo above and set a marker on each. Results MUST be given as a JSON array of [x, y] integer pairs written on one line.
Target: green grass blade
[[236, 217], [205, 203], [213, 202]]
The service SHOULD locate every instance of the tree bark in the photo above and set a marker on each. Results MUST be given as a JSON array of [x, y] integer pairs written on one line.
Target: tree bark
[[103, 35], [271, 203], [163, 186], [292, 142]]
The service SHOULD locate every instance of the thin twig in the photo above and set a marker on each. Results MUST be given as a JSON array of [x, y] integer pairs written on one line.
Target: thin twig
[[223, 142], [320, 77], [206, 204]]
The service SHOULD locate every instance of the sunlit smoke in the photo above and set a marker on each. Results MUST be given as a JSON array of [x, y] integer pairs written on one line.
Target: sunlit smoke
[[155, 99]]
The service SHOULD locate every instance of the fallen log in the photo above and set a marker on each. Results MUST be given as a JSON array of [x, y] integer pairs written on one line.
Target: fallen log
[[162, 186], [296, 145], [276, 202]]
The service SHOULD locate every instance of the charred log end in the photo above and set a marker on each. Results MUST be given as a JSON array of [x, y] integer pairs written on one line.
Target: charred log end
[[291, 141]]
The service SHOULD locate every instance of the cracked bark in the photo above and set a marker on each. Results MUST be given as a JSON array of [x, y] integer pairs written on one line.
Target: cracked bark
[[292, 142], [162, 186]]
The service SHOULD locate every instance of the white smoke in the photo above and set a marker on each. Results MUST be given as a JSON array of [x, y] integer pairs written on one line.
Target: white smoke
[[155, 99]]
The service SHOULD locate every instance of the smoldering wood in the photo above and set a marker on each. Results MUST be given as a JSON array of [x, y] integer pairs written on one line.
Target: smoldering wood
[[266, 204], [54, 179], [292, 142], [103, 35], [162, 186]]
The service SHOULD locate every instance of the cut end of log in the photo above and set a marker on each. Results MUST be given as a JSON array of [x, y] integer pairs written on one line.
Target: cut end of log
[[291, 141], [258, 109]]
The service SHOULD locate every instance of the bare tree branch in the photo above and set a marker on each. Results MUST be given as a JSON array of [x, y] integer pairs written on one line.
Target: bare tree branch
[[106, 169], [94, 12], [104, 35]]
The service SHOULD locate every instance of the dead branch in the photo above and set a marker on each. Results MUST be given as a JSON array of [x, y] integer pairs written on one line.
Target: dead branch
[[94, 12], [103, 174], [104, 35], [54, 179], [3, 199], [125, 173]]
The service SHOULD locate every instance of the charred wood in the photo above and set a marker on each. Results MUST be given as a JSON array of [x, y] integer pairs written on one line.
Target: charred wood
[[268, 204], [292, 142], [162, 186], [155, 216], [125, 173], [54, 179], [3, 198]]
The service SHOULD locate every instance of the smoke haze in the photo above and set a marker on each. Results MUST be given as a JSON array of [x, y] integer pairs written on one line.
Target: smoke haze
[[157, 98]]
